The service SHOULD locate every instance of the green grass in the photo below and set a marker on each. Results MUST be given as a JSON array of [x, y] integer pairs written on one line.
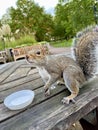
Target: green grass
[[63, 43], [23, 41], [28, 40]]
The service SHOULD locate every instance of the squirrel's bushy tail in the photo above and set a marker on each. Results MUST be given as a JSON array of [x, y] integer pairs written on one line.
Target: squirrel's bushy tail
[[85, 47]]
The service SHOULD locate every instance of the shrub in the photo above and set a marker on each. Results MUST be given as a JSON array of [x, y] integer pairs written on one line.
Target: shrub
[[25, 40]]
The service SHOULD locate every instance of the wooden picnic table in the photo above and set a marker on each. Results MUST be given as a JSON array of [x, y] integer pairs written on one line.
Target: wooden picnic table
[[45, 113]]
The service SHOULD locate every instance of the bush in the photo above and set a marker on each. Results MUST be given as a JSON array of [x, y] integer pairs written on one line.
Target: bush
[[25, 40], [1, 45]]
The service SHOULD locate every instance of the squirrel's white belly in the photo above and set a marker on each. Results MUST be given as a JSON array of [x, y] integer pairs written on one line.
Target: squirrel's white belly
[[43, 73]]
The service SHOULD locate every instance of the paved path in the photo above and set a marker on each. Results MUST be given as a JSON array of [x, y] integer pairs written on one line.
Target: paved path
[[61, 50]]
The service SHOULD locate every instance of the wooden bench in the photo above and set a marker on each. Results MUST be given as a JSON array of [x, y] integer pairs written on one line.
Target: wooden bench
[[3, 56], [20, 52], [45, 113]]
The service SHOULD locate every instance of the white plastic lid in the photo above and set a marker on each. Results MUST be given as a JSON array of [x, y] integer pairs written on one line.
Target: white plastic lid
[[19, 100]]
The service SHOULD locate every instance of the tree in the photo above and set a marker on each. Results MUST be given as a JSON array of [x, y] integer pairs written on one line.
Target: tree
[[72, 16], [29, 18]]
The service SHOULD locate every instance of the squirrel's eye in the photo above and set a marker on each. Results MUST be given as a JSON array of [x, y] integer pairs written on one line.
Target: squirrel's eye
[[38, 52]]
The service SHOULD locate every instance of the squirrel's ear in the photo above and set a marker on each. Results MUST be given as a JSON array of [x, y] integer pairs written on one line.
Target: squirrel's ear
[[44, 49]]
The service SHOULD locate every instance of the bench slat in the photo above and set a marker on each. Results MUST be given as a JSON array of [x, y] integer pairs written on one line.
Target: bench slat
[[39, 97], [52, 114]]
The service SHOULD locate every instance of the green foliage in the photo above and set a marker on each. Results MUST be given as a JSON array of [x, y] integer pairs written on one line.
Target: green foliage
[[83, 13], [29, 17], [2, 46], [70, 17], [26, 39], [73, 16], [23, 41]]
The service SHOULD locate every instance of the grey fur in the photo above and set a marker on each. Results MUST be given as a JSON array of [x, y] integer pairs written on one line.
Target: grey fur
[[84, 47]]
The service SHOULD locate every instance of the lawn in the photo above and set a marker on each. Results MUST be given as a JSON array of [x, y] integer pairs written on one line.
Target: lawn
[[27, 42], [62, 43]]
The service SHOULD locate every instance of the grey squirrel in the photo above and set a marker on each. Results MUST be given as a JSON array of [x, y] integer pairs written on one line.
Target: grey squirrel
[[74, 71]]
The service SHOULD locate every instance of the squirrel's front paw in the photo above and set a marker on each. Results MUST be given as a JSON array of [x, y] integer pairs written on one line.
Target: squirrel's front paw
[[66, 100], [47, 92]]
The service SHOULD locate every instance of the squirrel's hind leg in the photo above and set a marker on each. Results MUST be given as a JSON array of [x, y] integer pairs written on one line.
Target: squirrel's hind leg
[[66, 100], [72, 85]]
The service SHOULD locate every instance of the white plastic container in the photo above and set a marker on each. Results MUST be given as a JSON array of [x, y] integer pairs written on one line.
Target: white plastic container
[[19, 99]]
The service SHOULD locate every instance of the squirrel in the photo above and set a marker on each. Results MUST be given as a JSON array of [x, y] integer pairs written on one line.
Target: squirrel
[[74, 71]]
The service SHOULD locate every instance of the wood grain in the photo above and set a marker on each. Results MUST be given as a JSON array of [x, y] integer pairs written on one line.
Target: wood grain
[[52, 114], [45, 113]]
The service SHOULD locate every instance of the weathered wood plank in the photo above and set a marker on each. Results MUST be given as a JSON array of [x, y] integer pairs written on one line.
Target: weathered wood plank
[[10, 69], [26, 85], [39, 97], [20, 73], [51, 114], [6, 66], [29, 116], [86, 102], [18, 82], [2, 66]]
